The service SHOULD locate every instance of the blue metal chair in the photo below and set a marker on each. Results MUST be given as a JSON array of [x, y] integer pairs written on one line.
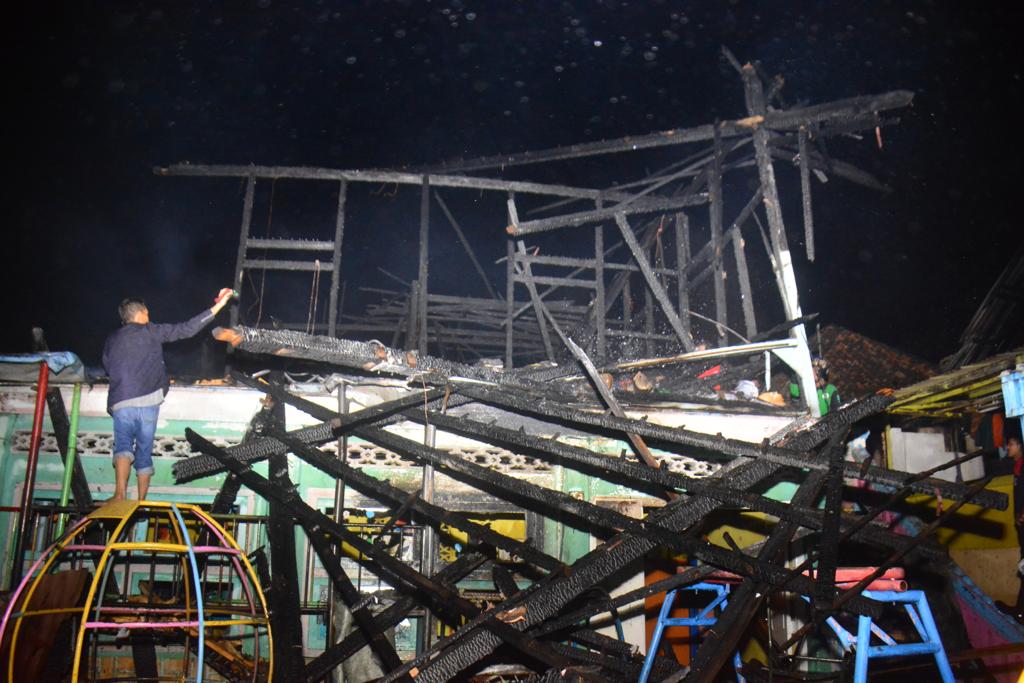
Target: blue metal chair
[[705, 617], [914, 602], [916, 605]]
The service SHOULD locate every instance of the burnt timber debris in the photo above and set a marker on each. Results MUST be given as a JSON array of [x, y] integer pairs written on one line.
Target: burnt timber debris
[[576, 309]]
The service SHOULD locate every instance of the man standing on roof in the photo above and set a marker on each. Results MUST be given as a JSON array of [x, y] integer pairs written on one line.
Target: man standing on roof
[[134, 359]]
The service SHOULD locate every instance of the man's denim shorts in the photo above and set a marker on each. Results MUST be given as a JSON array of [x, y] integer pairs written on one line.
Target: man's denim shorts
[[134, 429]]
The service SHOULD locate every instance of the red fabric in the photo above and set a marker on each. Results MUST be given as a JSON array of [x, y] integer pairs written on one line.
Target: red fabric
[[709, 372], [1018, 466], [997, 430]]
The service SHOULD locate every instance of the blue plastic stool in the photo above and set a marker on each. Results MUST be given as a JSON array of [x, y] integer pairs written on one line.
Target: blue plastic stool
[[916, 605], [705, 617]]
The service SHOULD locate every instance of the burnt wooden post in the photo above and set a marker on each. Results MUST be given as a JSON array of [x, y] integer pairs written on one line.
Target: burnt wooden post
[[538, 306], [339, 502], [682, 225], [412, 332], [428, 537], [770, 193], [421, 334], [648, 322], [599, 312], [284, 591], [756, 107], [465, 245], [746, 294], [805, 191], [510, 299], [250, 192], [652, 282], [339, 234], [715, 196], [720, 642], [627, 304]]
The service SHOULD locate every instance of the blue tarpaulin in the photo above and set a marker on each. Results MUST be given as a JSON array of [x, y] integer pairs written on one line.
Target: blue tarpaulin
[[65, 366]]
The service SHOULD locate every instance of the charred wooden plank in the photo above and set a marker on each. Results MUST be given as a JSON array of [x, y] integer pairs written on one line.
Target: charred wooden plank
[[548, 599], [337, 653], [442, 599], [791, 119], [707, 445], [652, 282], [717, 243]]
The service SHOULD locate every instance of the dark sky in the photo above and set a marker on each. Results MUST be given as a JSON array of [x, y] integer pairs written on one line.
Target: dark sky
[[100, 93]]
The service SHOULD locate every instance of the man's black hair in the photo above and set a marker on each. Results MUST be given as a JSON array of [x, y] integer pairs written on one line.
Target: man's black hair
[[129, 307]]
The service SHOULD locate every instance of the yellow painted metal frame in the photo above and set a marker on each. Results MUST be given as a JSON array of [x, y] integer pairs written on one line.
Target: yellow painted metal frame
[[124, 510]]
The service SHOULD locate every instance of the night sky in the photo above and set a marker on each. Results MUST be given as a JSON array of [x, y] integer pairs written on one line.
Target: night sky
[[100, 93]]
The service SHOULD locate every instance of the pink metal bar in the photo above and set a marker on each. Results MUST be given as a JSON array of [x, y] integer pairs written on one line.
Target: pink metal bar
[[242, 575], [214, 549], [32, 570]]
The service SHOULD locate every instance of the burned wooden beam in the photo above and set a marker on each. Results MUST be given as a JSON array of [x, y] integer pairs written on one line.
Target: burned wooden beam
[[682, 228], [337, 653], [746, 291], [247, 203], [262, 448], [659, 205], [805, 193], [586, 513], [652, 282], [728, 448], [368, 356], [284, 591], [383, 490], [526, 277], [466, 246], [424, 260], [613, 405], [704, 254], [828, 547], [331, 563], [720, 642], [856, 589], [339, 236], [717, 243], [598, 303], [441, 598], [835, 167], [377, 177], [380, 490], [824, 114], [638, 476], [548, 599]]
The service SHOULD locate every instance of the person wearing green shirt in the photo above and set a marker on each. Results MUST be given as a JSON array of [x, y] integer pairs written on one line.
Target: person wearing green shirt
[[828, 395]]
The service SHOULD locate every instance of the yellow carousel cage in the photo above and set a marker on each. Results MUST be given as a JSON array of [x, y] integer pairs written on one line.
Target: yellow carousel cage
[[139, 591]]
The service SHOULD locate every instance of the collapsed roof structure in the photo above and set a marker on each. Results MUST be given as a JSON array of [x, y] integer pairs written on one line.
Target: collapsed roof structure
[[672, 254], [679, 248]]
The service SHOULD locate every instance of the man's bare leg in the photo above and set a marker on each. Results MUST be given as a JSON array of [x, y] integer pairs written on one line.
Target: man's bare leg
[[122, 470], [143, 482]]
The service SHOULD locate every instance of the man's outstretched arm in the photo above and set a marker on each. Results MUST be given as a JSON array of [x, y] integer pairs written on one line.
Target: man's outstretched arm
[[168, 332]]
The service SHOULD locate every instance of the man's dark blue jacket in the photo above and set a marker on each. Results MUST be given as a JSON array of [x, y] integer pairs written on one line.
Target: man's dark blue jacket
[[134, 356]]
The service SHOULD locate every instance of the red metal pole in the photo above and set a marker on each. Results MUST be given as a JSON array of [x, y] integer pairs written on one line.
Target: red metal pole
[[25, 520]]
